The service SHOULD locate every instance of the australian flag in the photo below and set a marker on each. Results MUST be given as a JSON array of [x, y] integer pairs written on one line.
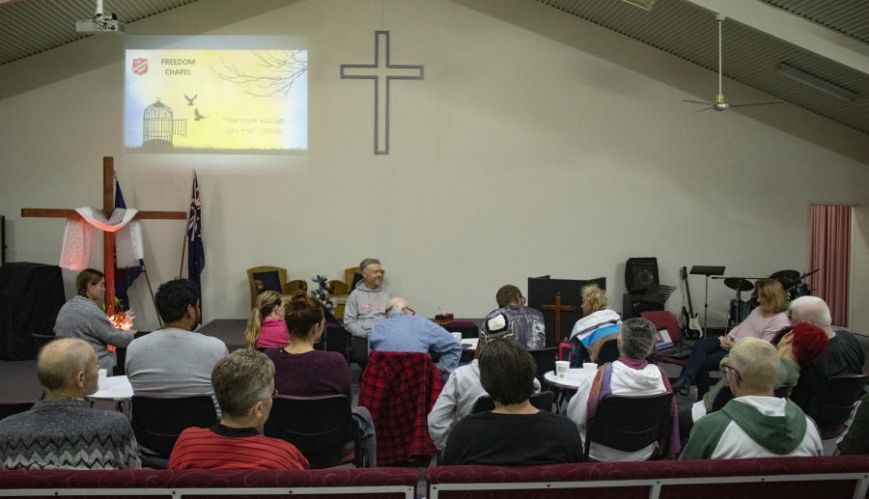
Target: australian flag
[[195, 248], [124, 277]]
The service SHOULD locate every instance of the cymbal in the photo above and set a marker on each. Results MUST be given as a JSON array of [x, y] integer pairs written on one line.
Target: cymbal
[[788, 278], [738, 284]]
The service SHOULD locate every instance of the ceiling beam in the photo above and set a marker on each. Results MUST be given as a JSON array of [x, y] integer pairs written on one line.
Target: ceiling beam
[[793, 29]]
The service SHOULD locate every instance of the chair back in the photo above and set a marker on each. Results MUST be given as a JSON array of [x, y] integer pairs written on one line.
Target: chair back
[[836, 402], [545, 359], [40, 340], [665, 319], [157, 422], [318, 426], [721, 399], [337, 340], [609, 352], [9, 409], [271, 277], [541, 400], [629, 423]]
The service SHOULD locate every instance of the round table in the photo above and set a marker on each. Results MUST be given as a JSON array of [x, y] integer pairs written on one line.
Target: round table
[[574, 379], [117, 389]]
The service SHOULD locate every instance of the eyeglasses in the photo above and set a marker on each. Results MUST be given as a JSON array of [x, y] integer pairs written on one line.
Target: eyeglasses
[[409, 311], [727, 367], [275, 393]]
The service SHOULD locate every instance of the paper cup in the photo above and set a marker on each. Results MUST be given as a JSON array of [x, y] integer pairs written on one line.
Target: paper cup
[[457, 336], [101, 378], [589, 365], [561, 368]]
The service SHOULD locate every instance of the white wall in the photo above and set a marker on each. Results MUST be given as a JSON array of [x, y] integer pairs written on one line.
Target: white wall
[[858, 294], [537, 144]]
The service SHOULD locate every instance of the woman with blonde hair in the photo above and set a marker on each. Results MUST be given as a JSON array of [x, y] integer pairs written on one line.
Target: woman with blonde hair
[[266, 327], [597, 326], [763, 322]]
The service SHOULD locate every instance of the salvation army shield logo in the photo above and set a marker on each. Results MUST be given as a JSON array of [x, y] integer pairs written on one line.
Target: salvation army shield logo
[[140, 65]]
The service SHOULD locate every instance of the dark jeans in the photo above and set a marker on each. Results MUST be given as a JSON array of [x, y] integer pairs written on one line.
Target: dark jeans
[[359, 351], [705, 357]]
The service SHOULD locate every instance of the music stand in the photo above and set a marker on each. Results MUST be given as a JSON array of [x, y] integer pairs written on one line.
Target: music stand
[[706, 270]]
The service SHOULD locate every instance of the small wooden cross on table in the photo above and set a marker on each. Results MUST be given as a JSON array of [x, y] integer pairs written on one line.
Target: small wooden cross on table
[[108, 237], [558, 308]]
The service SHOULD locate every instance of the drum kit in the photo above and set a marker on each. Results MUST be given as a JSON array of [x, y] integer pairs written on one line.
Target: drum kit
[[791, 280]]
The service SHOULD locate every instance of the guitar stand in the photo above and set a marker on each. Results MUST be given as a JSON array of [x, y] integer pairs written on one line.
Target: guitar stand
[[706, 270]]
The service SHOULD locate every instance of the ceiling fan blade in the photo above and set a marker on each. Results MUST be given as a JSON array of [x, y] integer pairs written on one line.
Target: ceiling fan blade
[[697, 102], [704, 109], [749, 104]]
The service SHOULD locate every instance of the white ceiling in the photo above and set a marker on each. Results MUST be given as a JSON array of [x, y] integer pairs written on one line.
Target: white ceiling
[[826, 38]]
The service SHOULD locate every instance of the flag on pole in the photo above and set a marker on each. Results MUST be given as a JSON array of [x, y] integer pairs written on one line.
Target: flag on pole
[[195, 248], [124, 277]]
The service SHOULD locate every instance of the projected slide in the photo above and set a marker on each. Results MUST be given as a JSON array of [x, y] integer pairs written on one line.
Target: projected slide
[[210, 100]]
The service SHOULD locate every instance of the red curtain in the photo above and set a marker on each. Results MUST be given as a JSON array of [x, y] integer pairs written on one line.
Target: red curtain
[[831, 253]]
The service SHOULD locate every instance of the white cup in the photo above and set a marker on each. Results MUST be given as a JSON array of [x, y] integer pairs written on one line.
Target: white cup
[[457, 336], [589, 365], [101, 378], [561, 368]]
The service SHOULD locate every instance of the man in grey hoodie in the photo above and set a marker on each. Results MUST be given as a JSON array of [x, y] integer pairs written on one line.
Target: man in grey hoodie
[[366, 306]]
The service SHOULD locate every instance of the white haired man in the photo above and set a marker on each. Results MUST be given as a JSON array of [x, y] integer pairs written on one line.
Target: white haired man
[[842, 356], [755, 423]]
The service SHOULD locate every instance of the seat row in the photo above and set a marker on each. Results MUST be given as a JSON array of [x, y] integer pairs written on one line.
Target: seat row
[[845, 477]]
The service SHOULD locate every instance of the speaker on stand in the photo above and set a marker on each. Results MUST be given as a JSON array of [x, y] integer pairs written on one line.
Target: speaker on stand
[[641, 275]]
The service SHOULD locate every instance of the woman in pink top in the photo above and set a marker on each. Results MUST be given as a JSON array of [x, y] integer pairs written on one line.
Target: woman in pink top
[[266, 327], [763, 322]]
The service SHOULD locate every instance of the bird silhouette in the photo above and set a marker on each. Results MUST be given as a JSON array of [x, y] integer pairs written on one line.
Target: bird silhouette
[[190, 99], [198, 116]]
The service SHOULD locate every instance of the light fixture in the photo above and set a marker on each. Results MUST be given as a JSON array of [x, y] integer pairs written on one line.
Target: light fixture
[[813, 81], [643, 4]]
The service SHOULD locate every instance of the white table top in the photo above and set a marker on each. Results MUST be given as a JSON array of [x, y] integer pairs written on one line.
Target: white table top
[[115, 388], [574, 379], [469, 343]]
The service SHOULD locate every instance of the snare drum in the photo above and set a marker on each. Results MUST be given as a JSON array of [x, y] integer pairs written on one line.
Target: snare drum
[[801, 289]]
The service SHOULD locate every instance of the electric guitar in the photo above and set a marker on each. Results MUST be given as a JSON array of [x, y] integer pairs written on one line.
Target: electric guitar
[[692, 321]]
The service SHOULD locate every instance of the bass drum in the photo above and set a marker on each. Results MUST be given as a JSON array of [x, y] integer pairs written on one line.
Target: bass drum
[[801, 289], [739, 311]]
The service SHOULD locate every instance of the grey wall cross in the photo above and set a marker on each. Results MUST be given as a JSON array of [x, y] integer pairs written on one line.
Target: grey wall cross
[[381, 69]]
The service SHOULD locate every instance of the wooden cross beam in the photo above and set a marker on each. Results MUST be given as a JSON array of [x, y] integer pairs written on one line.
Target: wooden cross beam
[[108, 237], [558, 308]]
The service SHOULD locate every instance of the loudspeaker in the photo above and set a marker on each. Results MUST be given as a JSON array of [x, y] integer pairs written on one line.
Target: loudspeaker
[[633, 306], [641, 274]]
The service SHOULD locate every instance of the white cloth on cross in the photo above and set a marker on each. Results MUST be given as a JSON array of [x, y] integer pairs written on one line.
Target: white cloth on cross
[[78, 237]]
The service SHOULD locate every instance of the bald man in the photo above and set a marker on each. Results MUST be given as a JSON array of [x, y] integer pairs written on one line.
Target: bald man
[[402, 331], [62, 431]]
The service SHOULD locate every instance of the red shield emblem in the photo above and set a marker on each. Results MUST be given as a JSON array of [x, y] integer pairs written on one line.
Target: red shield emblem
[[140, 65]]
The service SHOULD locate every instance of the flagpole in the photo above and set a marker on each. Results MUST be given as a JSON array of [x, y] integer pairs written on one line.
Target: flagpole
[[183, 251], [151, 291]]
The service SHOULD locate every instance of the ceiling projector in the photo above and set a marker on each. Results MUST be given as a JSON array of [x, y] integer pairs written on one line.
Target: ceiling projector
[[101, 23]]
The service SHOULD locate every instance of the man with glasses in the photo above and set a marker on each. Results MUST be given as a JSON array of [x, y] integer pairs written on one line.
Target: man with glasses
[[755, 423], [403, 331], [527, 323], [244, 383], [175, 361]]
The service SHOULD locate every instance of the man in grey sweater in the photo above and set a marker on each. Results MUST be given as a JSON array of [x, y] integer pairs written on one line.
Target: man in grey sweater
[[62, 431], [366, 306], [175, 361]]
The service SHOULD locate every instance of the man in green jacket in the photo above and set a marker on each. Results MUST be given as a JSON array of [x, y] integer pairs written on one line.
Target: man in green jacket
[[755, 423]]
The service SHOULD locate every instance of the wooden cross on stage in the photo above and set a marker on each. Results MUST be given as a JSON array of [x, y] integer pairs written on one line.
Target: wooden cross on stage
[[108, 237], [558, 308]]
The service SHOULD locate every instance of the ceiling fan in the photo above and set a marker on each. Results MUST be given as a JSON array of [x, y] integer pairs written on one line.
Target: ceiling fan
[[720, 104]]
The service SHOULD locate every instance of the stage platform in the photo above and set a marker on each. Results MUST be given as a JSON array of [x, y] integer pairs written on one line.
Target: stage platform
[[230, 331]]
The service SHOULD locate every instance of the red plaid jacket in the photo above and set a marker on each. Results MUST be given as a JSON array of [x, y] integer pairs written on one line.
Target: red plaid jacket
[[400, 389]]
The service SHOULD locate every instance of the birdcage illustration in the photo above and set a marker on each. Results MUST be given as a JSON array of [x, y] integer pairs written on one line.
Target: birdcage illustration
[[159, 125]]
